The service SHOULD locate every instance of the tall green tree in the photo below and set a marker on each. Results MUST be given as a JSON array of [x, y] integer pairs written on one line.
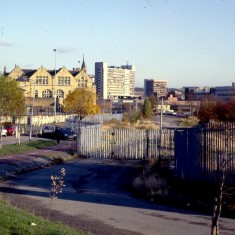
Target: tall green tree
[[82, 101], [154, 102], [12, 100], [147, 109]]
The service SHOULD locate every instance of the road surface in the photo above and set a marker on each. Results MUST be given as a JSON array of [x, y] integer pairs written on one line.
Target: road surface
[[95, 200], [169, 121]]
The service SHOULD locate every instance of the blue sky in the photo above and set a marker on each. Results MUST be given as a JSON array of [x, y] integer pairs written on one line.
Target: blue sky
[[186, 42]]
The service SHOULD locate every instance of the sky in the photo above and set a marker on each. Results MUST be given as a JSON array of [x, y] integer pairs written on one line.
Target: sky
[[186, 42]]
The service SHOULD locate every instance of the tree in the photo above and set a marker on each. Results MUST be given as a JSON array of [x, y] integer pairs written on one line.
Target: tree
[[217, 110], [82, 101], [147, 109], [12, 100], [225, 190], [154, 102], [207, 111]]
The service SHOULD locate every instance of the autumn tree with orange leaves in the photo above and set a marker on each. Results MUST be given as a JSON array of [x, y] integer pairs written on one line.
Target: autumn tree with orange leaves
[[82, 101]]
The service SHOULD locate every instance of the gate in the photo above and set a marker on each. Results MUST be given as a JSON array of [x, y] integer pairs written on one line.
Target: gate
[[188, 152], [200, 151]]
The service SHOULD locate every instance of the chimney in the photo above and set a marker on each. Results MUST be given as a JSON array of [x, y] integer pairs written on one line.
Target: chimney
[[4, 69]]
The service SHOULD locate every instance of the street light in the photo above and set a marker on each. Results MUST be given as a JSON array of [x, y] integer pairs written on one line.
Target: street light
[[31, 115], [55, 89], [160, 141]]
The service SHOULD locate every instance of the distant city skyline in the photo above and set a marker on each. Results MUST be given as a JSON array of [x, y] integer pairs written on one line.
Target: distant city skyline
[[187, 43]]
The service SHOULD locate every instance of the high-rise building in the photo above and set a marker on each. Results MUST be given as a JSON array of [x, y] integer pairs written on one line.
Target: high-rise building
[[112, 81], [156, 88]]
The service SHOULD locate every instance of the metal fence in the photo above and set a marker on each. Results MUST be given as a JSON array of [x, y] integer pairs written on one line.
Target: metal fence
[[200, 151], [94, 141]]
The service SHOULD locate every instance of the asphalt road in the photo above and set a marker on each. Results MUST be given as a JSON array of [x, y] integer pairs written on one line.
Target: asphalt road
[[96, 200], [167, 120]]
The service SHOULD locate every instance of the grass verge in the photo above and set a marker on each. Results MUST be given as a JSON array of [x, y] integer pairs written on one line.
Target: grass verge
[[16, 221], [27, 146]]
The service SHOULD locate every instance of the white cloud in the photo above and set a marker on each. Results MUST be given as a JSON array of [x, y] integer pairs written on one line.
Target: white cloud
[[5, 44], [65, 50]]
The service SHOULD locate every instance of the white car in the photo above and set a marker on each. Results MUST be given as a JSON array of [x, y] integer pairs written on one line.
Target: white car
[[4, 132]]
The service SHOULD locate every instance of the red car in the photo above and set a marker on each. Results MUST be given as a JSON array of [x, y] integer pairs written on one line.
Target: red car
[[11, 129]]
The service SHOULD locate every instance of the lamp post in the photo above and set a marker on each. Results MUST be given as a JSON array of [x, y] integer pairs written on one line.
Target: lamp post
[[31, 115], [55, 89]]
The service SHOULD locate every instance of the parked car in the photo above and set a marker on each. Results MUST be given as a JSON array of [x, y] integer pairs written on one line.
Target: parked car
[[66, 133], [4, 132], [49, 131], [11, 129]]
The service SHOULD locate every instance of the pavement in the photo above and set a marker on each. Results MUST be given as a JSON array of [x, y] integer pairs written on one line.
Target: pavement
[[13, 164]]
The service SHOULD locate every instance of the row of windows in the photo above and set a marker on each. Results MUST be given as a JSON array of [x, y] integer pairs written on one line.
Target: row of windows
[[41, 81], [82, 82], [61, 82], [64, 81], [48, 94]]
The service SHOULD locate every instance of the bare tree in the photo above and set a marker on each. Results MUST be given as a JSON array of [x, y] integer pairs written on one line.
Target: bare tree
[[225, 170]]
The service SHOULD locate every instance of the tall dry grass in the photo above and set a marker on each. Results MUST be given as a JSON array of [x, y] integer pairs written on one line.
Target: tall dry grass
[[128, 125]]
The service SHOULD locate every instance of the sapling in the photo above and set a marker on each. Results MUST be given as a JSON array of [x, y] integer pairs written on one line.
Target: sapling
[[57, 184]]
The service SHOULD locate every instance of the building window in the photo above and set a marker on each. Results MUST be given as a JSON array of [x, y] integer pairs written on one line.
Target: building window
[[63, 81], [47, 94], [60, 94], [36, 93], [41, 80]]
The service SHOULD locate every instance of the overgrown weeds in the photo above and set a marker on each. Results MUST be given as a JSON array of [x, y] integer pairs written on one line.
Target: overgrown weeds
[[159, 184], [141, 124], [150, 182]]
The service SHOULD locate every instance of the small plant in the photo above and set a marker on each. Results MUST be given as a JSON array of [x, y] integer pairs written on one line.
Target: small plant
[[57, 183]]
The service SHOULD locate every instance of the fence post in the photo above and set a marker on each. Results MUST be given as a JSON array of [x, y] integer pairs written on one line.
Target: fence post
[[147, 143], [78, 147]]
